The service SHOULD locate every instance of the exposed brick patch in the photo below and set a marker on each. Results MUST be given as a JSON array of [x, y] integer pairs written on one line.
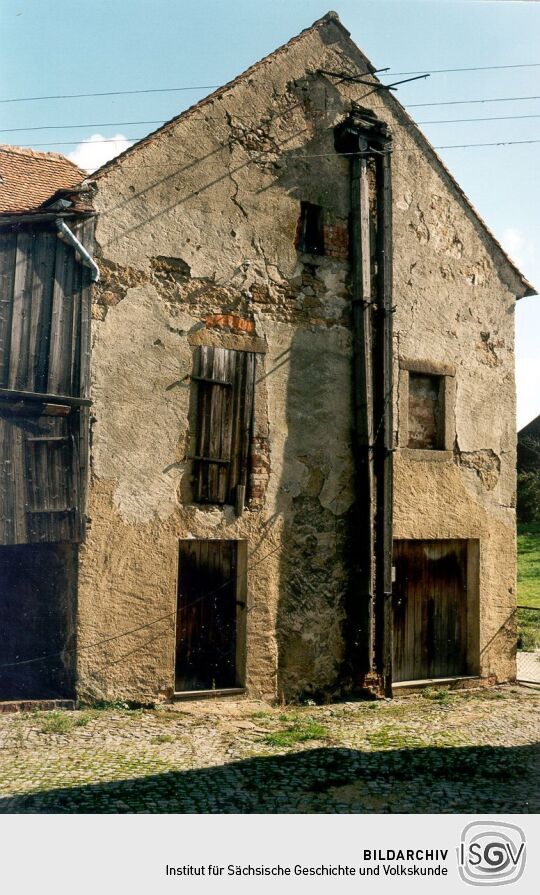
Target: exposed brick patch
[[336, 239], [230, 321], [35, 705]]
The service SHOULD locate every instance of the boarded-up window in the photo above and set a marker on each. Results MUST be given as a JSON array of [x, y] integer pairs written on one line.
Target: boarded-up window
[[426, 411], [225, 382]]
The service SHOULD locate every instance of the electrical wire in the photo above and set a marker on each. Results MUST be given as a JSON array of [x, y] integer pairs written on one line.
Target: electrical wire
[[464, 102], [47, 127], [150, 624], [27, 99], [438, 71], [435, 71], [322, 155]]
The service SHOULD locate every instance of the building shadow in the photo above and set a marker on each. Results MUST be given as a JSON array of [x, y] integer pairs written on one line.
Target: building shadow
[[472, 779]]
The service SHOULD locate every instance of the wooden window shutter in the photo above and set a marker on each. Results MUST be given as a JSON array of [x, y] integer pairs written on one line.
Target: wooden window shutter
[[225, 382]]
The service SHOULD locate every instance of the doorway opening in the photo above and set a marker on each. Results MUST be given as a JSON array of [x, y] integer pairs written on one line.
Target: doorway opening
[[37, 621], [435, 609], [211, 615]]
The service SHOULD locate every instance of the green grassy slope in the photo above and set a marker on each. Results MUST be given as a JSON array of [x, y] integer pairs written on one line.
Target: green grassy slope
[[529, 565], [528, 585]]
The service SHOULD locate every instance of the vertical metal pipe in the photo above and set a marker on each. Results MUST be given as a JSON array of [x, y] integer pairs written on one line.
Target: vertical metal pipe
[[385, 444], [362, 312]]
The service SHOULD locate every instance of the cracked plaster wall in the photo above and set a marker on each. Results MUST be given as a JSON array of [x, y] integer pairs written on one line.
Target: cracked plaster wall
[[201, 222]]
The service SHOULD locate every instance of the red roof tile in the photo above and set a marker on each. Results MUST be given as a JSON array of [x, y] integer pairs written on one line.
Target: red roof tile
[[28, 178]]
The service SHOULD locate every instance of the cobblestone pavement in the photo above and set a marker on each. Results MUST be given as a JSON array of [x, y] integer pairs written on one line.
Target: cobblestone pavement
[[471, 751]]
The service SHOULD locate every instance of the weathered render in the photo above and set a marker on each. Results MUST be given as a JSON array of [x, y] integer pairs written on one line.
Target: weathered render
[[200, 245]]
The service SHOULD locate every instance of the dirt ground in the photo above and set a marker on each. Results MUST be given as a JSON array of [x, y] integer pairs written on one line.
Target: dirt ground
[[440, 752]]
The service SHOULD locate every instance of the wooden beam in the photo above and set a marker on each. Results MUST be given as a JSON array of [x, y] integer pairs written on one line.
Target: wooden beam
[[44, 398]]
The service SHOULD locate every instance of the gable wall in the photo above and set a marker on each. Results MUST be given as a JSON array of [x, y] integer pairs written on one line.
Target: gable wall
[[202, 193]]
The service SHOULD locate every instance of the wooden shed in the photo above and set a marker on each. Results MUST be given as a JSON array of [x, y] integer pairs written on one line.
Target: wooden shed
[[45, 309]]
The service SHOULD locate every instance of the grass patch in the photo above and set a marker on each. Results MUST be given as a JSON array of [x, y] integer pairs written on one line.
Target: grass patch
[[437, 694], [57, 722], [528, 577], [162, 738], [257, 716], [300, 731], [393, 738], [60, 721]]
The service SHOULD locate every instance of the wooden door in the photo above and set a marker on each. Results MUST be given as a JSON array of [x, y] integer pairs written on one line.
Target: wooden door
[[206, 627], [430, 609]]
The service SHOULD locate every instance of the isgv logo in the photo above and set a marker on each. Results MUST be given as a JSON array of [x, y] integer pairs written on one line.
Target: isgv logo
[[491, 853]]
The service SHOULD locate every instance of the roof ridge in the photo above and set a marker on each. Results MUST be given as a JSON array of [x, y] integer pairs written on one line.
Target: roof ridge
[[329, 18], [36, 153]]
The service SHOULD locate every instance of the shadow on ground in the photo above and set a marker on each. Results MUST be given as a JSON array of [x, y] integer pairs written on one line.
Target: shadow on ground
[[326, 780]]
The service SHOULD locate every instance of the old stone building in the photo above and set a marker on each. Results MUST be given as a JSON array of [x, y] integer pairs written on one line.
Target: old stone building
[[302, 353]]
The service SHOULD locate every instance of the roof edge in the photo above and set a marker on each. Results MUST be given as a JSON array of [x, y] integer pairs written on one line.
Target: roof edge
[[529, 289], [330, 18]]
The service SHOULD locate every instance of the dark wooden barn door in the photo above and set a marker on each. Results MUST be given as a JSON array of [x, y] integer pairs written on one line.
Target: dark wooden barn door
[[206, 628], [430, 609], [37, 621]]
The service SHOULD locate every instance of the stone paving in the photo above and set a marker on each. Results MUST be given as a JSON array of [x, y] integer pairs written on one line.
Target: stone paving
[[470, 751]]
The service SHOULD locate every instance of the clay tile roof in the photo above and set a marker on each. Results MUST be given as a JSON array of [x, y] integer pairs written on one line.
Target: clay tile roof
[[28, 178]]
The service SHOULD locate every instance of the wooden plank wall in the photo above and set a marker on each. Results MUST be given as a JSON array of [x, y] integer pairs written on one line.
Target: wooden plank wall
[[45, 310]]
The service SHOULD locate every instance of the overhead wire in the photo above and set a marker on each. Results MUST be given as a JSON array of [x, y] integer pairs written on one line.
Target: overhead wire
[[425, 71], [438, 71], [150, 624], [322, 155], [46, 127]]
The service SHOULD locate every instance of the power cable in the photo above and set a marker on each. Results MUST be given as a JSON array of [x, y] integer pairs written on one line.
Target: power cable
[[434, 71], [47, 127], [26, 99], [156, 621], [463, 102], [438, 71], [322, 155]]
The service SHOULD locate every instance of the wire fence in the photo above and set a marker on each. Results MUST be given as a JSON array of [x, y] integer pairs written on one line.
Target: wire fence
[[528, 644]]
